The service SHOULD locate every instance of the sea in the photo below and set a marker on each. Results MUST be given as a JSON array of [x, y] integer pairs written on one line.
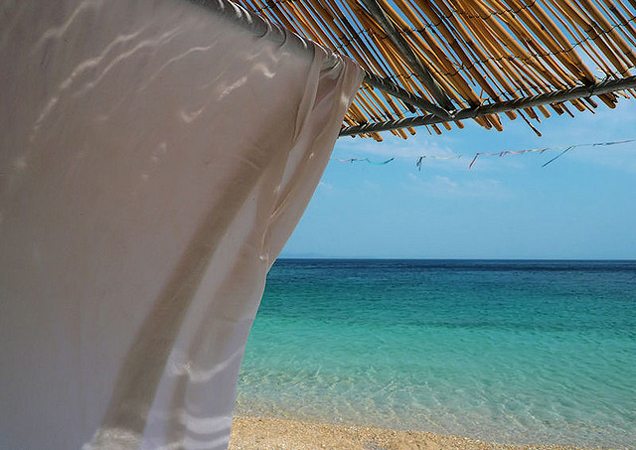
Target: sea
[[516, 352]]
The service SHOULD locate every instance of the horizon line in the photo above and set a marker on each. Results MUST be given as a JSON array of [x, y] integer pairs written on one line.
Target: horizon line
[[314, 257]]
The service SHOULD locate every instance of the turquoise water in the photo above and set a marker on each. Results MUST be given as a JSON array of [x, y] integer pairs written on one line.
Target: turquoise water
[[539, 352]]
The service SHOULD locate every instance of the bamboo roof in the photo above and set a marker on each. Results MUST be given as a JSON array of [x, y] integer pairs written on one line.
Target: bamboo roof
[[455, 57]]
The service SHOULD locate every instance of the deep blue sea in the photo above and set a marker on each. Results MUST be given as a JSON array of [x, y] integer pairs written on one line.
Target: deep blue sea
[[522, 352]]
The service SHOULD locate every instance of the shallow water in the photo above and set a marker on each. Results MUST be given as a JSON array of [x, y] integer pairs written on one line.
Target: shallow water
[[503, 351]]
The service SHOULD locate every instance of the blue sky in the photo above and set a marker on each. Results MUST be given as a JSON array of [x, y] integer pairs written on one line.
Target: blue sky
[[581, 206]]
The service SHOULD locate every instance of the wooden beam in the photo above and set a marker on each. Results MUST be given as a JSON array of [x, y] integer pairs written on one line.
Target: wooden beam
[[404, 95], [559, 96]]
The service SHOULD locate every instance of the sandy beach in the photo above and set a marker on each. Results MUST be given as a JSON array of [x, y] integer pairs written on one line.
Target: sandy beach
[[255, 433], [514, 352]]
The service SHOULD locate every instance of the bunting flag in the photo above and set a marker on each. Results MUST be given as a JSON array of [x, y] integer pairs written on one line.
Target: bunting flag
[[558, 156], [420, 159], [541, 150], [367, 160]]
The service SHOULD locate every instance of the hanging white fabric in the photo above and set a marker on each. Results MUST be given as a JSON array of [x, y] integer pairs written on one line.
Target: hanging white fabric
[[154, 159]]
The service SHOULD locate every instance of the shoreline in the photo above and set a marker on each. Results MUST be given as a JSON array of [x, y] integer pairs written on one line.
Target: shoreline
[[262, 433]]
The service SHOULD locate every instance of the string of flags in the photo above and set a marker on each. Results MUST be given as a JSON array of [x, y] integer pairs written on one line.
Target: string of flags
[[352, 160], [541, 150], [422, 158]]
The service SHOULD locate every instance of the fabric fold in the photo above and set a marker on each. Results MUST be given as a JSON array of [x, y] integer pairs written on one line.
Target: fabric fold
[[157, 159]]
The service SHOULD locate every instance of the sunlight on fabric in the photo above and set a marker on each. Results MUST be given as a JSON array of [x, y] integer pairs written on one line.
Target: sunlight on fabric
[[155, 159]]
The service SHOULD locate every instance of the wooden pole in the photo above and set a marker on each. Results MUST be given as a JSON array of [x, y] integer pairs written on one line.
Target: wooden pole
[[526, 102]]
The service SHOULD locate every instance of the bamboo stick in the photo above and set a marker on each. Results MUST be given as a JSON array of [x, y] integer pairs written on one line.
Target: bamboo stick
[[525, 36], [476, 49], [481, 81], [627, 22], [550, 35], [501, 49], [497, 30], [620, 21], [560, 37], [585, 43], [588, 28], [433, 49], [609, 30], [380, 14]]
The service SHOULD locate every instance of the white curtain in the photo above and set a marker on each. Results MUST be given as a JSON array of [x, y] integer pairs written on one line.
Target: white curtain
[[154, 159]]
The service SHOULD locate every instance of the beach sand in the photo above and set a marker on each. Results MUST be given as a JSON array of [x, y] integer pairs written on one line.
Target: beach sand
[[254, 433]]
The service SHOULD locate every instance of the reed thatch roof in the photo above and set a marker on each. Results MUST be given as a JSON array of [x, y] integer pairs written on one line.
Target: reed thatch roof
[[456, 56]]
